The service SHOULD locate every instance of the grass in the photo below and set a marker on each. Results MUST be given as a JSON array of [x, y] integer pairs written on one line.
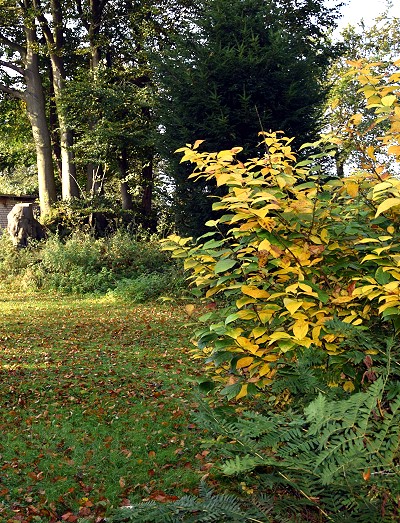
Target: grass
[[95, 407]]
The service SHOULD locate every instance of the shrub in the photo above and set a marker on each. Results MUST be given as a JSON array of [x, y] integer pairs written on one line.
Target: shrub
[[309, 271], [298, 257], [80, 264], [146, 287], [14, 263]]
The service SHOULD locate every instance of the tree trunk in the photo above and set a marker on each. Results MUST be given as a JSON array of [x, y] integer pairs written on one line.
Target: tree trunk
[[54, 129], [147, 185], [55, 45], [339, 167], [126, 196], [35, 104]]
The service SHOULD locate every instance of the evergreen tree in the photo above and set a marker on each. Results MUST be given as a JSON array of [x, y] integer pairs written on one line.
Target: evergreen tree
[[240, 67]]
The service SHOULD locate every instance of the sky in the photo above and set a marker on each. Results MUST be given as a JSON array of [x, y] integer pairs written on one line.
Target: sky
[[368, 10]]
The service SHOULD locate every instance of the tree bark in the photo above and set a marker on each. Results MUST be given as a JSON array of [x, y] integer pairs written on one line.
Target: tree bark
[[126, 196], [55, 45], [147, 185], [35, 104]]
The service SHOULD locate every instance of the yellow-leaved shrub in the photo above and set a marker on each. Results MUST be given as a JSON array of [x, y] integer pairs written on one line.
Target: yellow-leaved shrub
[[295, 257]]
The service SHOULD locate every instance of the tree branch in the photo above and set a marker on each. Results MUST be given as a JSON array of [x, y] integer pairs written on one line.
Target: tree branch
[[13, 45], [43, 23], [12, 92], [13, 67], [85, 23]]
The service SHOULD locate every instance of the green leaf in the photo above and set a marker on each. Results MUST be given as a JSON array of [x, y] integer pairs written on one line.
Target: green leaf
[[381, 276], [391, 311], [224, 265]]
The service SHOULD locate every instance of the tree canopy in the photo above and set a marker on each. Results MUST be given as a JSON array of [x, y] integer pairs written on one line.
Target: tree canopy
[[238, 68]]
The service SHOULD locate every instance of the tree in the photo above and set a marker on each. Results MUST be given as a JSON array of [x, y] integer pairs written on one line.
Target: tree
[[241, 67], [345, 102], [22, 79]]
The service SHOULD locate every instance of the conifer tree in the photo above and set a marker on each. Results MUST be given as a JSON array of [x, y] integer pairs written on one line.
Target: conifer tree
[[242, 66]]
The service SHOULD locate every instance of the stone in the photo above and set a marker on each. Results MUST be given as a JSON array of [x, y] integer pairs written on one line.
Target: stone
[[22, 225]]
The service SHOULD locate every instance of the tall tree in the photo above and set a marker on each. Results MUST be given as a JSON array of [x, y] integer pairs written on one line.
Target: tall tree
[[52, 24], [242, 66], [21, 79]]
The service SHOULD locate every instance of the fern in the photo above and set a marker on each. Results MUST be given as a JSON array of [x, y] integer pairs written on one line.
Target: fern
[[207, 508], [337, 456]]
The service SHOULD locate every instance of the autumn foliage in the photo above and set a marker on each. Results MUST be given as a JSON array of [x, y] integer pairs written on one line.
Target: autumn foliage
[[299, 262]]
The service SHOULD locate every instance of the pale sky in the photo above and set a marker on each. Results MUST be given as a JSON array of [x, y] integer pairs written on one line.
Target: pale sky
[[368, 10]]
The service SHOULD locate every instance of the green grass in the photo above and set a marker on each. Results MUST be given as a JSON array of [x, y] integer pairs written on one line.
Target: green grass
[[95, 407]]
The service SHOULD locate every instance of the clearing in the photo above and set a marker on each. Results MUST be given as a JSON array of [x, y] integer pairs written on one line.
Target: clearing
[[95, 404]]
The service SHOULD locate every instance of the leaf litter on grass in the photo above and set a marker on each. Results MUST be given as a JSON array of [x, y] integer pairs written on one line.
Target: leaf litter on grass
[[95, 408]]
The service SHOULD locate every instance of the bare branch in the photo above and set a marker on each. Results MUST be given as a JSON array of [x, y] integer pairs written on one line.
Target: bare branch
[[43, 23], [85, 23], [13, 45], [12, 92], [13, 67]]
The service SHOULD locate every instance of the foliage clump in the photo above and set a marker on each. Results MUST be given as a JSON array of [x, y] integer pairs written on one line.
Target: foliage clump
[[131, 267], [301, 276], [298, 256]]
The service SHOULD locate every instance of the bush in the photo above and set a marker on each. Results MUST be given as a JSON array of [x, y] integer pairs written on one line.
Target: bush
[[80, 264], [309, 270], [15, 263], [148, 287], [306, 263]]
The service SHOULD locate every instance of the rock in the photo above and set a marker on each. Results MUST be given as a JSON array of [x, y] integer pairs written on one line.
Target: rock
[[23, 226]]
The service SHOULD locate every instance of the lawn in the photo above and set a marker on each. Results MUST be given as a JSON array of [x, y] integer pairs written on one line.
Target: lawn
[[95, 407]]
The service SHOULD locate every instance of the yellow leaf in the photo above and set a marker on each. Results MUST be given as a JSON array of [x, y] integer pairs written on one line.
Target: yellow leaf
[[234, 333], [306, 288], [257, 332], [281, 181], [331, 348], [394, 149], [236, 150], [335, 103], [352, 189], [247, 344], [348, 386], [324, 236], [245, 300], [292, 305], [271, 357], [388, 100], [189, 309], [264, 245], [246, 315], [342, 299], [265, 315], [356, 119], [254, 292], [213, 291], [244, 362], [278, 335], [371, 152], [243, 392], [197, 143], [391, 286], [264, 370], [225, 156], [222, 178], [300, 329]]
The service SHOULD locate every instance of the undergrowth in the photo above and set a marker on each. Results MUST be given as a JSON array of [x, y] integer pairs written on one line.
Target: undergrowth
[[121, 264]]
